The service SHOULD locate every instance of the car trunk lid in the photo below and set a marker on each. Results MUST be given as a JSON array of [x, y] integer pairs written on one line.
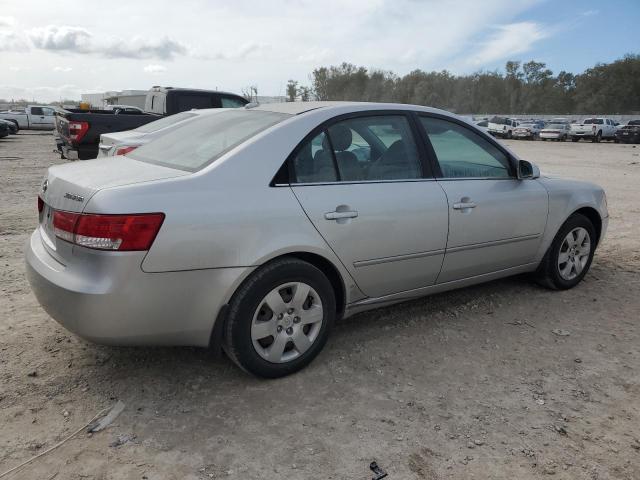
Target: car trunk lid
[[69, 188]]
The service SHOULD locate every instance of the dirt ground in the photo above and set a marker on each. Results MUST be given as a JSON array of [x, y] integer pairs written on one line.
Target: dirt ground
[[468, 384]]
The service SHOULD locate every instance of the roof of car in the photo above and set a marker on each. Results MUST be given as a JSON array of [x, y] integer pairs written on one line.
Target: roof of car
[[296, 108]]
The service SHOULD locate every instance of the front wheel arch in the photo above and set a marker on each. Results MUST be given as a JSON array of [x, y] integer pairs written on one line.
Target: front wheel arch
[[594, 217]]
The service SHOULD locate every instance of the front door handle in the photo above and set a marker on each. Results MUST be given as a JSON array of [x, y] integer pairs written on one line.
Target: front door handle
[[340, 215], [464, 204]]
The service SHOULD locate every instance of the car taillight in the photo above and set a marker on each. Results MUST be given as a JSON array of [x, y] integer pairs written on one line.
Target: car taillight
[[125, 150], [77, 130], [40, 204], [108, 232]]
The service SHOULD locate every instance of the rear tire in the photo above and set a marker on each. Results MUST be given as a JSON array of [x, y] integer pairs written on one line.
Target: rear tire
[[280, 318], [597, 138], [569, 257], [575, 139]]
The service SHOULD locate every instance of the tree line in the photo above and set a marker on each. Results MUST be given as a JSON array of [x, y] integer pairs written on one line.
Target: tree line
[[522, 88]]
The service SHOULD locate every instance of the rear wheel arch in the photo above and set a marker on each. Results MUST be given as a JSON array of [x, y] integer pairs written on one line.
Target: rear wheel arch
[[328, 269]]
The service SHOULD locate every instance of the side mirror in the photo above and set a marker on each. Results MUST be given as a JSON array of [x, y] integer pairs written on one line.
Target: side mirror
[[527, 170]]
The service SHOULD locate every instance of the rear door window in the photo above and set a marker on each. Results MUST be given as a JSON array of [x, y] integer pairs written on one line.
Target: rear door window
[[36, 111], [375, 148]]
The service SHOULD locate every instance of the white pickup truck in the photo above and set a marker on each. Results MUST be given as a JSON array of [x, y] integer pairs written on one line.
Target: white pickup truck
[[594, 129], [502, 127], [34, 117]]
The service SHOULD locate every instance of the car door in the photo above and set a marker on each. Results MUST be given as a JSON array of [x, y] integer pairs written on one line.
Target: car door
[[37, 118], [48, 118], [362, 183], [495, 220]]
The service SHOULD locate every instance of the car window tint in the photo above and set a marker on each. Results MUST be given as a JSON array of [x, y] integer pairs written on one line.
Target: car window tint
[[36, 111], [314, 161], [375, 148], [463, 153], [187, 102], [228, 102], [48, 111]]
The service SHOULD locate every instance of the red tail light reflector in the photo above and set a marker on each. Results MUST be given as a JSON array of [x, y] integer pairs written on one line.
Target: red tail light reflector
[[77, 130], [108, 232], [125, 150]]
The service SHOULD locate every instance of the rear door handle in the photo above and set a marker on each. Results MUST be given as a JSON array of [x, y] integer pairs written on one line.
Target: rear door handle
[[340, 215], [464, 205]]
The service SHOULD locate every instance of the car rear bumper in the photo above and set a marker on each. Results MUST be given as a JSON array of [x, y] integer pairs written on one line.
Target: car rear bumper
[[106, 298], [551, 135]]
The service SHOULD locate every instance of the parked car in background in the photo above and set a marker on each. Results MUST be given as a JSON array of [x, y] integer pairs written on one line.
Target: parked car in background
[[121, 143], [629, 133], [555, 131], [80, 130], [4, 130], [13, 126], [483, 125], [529, 130], [258, 227], [594, 129], [33, 117], [502, 127]]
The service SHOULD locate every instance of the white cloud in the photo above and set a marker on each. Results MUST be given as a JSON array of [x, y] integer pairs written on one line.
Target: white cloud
[[60, 38], [7, 22], [72, 39], [590, 13], [62, 69], [155, 68], [508, 41]]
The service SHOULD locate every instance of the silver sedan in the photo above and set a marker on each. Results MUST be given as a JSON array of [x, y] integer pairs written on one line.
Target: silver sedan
[[256, 228]]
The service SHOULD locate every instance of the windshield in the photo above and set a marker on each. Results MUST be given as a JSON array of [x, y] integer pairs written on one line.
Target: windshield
[[196, 144], [556, 125], [164, 122]]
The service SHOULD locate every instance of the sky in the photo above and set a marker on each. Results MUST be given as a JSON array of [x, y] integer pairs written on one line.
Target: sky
[[53, 50]]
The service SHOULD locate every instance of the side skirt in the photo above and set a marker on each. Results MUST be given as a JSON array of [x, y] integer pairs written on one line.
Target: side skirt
[[371, 303]]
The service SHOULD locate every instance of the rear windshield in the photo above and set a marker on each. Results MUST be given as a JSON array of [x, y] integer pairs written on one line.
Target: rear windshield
[[198, 143], [498, 120], [556, 125], [596, 121], [164, 122]]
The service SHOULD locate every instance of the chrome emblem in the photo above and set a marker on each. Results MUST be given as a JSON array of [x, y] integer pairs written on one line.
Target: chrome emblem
[[45, 185], [73, 196]]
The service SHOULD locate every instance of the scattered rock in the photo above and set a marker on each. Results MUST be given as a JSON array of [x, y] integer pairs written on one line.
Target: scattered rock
[[478, 442], [560, 429], [32, 374], [122, 439], [471, 445], [578, 360], [561, 333]]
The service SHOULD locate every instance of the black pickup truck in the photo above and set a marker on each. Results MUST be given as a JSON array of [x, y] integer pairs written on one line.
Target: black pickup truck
[[78, 131]]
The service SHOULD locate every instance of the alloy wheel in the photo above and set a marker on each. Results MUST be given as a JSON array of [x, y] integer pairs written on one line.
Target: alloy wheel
[[574, 253]]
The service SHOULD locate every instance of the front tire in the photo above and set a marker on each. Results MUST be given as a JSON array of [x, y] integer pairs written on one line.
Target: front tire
[[280, 318], [570, 255]]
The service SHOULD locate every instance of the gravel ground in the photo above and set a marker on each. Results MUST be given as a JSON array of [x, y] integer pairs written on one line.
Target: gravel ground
[[468, 384]]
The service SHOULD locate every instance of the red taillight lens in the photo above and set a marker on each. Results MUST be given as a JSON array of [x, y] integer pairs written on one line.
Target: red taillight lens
[[125, 150], [64, 223], [77, 130], [40, 204], [108, 232]]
